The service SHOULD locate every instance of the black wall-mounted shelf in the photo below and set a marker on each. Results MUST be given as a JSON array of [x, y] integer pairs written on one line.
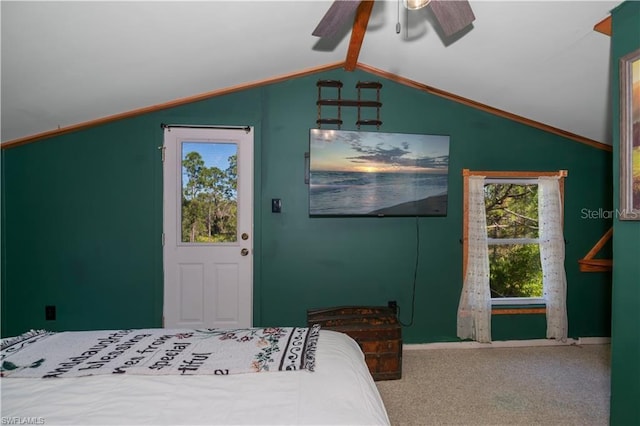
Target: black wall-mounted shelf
[[347, 102], [339, 102]]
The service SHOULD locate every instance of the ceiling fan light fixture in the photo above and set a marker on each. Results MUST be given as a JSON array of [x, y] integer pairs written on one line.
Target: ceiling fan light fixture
[[416, 4]]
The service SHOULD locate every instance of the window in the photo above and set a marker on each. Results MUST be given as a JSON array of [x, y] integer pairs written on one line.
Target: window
[[209, 192], [512, 224], [512, 237]]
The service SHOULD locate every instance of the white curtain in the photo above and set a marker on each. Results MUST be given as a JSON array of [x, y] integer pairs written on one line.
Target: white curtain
[[554, 279], [474, 309]]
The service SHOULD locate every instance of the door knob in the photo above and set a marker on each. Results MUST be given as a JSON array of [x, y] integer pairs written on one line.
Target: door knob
[[244, 251], [244, 236]]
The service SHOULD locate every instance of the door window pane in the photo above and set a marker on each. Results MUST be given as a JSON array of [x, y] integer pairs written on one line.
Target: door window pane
[[209, 208]]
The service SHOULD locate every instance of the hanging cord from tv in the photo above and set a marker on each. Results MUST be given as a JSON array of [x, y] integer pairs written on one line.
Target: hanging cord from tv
[[415, 278]]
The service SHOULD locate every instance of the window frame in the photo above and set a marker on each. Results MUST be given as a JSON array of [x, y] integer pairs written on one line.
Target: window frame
[[518, 177]]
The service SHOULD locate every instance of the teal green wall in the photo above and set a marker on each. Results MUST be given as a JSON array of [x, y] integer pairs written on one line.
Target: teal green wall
[[83, 218], [625, 337]]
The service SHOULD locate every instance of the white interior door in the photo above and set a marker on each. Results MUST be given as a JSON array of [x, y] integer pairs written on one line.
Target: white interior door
[[208, 227]]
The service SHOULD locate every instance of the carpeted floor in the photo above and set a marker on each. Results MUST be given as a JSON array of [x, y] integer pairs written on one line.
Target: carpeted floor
[[551, 385]]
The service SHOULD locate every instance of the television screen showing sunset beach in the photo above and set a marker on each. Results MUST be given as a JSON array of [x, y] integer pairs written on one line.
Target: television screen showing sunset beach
[[357, 173]]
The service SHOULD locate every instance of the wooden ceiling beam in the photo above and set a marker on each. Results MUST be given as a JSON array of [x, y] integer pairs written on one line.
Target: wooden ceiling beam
[[604, 26], [357, 33]]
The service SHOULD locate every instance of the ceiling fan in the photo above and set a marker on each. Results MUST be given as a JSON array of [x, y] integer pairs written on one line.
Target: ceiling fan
[[451, 15]]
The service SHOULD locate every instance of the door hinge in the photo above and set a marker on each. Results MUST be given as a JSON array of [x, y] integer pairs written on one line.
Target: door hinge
[[163, 239], [163, 149]]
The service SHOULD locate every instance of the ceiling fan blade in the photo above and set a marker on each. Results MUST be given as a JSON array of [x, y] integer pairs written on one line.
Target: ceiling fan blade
[[452, 15], [335, 18]]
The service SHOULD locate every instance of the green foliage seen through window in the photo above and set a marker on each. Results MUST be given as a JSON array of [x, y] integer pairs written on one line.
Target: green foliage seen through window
[[209, 205], [512, 213]]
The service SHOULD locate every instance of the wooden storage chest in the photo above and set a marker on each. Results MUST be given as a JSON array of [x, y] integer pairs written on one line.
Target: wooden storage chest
[[375, 328]]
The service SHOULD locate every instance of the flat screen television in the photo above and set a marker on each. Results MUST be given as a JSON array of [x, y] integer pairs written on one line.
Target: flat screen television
[[354, 173]]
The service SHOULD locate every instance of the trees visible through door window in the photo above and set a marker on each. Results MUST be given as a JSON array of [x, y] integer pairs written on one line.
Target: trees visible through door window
[[209, 192]]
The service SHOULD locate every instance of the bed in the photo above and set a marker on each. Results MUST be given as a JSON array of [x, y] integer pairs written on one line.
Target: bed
[[301, 376]]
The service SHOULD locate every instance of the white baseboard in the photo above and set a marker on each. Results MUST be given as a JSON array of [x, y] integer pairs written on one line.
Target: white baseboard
[[508, 343]]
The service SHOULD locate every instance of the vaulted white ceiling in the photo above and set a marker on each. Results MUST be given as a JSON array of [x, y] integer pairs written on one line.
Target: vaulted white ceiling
[[65, 63]]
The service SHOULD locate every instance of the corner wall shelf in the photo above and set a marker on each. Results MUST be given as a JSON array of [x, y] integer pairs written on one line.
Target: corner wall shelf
[[339, 102], [589, 264]]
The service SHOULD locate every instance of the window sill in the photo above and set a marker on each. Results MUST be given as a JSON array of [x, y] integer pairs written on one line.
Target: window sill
[[518, 301], [518, 310]]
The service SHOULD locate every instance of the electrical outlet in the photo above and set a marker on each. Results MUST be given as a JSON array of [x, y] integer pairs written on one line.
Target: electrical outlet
[[50, 312]]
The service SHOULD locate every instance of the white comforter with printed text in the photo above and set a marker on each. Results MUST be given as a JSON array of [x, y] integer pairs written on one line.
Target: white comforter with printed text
[[339, 391]]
